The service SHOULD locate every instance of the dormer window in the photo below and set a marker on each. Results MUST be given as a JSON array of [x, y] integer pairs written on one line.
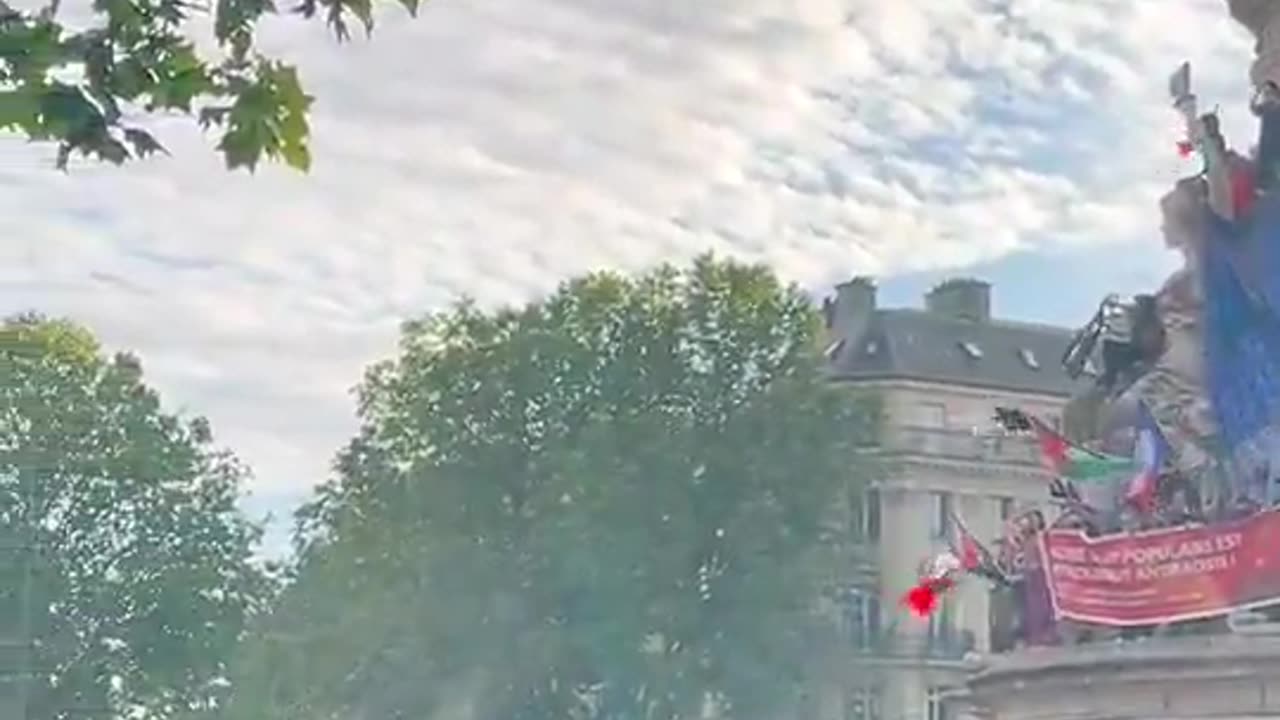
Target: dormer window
[[1029, 359], [972, 350], [872, 348]]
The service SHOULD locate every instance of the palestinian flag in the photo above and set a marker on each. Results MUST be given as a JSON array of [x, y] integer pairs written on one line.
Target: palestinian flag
[[939, 575], [974, 558], [1066, 460], [965, 546]]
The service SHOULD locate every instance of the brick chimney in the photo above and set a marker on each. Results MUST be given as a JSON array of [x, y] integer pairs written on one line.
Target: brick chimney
[[961, 298], [849, 311]]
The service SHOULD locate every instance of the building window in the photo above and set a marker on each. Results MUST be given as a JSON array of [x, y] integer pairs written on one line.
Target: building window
[[941, 515], [862, 703], [942, 628], [972, 350], [935, 709], [1029, 359], [931, 415], [862, 618], [1006, 508], [864, 513]]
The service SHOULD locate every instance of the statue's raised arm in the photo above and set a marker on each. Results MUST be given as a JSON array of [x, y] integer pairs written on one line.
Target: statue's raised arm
[[1229, 175]]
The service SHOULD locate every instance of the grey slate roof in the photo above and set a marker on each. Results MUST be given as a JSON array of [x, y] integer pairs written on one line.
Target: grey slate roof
[[921, 345]]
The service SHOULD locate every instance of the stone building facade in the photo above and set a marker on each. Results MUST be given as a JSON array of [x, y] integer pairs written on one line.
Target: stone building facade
[[940, 371]]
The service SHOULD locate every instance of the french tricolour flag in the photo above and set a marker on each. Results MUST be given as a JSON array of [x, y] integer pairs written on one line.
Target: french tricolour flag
[[1150, 452]]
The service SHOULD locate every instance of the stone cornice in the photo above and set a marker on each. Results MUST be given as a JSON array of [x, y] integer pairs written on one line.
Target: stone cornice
[[1177, 650], [977, 392], [961, 467], [923, 474], [895, 381], [1167, 677]]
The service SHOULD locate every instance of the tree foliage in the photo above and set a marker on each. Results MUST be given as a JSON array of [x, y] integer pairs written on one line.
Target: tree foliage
[[141, 580], [609, 504], [79, 88]]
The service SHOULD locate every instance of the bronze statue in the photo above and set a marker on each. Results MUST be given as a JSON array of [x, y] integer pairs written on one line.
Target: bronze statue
[[1154, 357], [1262, 19]]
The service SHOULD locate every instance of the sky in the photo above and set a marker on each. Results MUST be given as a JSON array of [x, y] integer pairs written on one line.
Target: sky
[[494, 148]]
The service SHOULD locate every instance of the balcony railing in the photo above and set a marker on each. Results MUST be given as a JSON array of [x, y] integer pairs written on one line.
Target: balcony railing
[[959, 445], [951, 646]]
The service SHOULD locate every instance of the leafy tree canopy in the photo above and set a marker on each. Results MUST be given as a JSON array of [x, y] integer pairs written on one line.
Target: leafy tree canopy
[[141, 578], [608, 504], [79, 88]]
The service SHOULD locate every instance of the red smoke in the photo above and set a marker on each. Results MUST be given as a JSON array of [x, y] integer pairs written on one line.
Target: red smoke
[[923, 599]]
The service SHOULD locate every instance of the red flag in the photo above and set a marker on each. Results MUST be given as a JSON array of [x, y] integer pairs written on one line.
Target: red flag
[[966, 547], [1244, 189]]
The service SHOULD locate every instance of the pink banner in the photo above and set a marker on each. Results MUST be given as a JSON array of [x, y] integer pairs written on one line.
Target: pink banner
[[1164, 576]]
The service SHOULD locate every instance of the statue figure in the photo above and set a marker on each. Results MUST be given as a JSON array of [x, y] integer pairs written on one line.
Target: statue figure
[[1153, 354], [1157, 360], [1174, 389]]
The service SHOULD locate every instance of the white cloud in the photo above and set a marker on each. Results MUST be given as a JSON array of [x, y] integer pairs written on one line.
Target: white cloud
[[494, 148]]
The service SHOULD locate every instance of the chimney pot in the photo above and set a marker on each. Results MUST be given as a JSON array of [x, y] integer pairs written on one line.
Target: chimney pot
[[961, 298], [854, 304]]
